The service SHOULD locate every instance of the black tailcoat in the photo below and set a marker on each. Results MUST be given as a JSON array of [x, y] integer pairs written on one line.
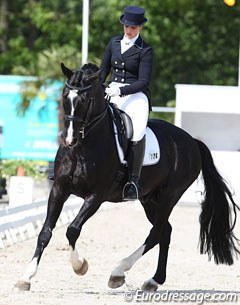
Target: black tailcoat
[[133, 67]]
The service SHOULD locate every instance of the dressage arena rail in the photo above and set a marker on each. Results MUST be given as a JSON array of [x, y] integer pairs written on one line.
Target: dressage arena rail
[[20, 223], [23, 222]]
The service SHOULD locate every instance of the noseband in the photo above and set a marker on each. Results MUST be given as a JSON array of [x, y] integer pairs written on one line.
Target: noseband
[[86, 123]]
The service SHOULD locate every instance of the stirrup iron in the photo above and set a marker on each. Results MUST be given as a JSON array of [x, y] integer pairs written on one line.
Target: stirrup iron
[[129, 195]]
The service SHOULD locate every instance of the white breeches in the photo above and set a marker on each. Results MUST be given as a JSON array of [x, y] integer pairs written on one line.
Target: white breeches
[[137, 107]]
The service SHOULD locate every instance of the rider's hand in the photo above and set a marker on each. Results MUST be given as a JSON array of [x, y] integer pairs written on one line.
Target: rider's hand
[[113, 91]]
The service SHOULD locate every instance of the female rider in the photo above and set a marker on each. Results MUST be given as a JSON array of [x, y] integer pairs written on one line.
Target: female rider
[[129, 59]]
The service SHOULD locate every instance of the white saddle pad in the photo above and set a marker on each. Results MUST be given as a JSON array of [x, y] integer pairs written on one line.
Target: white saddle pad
[[152, 149]]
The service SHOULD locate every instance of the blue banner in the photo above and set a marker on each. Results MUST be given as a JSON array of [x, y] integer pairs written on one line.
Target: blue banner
[[34, 135]]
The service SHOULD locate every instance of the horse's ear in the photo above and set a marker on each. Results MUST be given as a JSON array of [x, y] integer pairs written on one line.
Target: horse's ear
[[92, 77], [66, 71]]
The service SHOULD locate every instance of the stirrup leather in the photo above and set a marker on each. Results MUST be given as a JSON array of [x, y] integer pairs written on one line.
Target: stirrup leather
[[125, 194]]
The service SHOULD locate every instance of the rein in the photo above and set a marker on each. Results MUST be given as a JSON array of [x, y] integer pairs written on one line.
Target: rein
[[86, 123]]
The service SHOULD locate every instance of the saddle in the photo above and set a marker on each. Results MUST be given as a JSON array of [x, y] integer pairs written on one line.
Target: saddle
[[123, 130], [123, 126]]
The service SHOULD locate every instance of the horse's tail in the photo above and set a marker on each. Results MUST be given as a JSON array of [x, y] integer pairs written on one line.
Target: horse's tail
[[216, 225]]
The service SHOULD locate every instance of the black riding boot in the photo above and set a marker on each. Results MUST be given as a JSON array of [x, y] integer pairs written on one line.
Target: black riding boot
[[135, 161]]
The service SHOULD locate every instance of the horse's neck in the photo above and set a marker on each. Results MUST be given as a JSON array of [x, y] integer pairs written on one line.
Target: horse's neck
[[100, 102], [99, 138]]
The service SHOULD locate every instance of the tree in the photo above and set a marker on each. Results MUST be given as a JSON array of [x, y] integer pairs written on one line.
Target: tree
[[3, 25], [194, 42]]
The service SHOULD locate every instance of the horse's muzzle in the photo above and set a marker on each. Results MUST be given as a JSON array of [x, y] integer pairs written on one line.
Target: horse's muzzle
[[69, 140]]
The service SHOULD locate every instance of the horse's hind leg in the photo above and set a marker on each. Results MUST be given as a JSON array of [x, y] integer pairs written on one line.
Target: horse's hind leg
[[157, 214], [117, 277], [55, 204], [160, 274]]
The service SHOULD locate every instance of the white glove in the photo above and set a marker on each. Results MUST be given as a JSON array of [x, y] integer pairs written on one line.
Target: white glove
[[113, 91]]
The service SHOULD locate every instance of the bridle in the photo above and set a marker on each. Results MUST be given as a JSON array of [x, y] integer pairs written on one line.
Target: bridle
[[86, 123]]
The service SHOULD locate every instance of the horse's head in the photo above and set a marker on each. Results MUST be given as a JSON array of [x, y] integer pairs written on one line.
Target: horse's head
[[83, 101]]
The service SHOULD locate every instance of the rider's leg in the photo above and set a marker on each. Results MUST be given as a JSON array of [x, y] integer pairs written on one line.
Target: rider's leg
[[137, 108], [135, 160]]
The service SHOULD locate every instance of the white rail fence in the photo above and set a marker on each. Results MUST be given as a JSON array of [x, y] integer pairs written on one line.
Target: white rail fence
[[23, 222], [18, 224]]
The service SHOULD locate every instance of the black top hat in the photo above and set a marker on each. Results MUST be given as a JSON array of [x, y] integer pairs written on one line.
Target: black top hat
[[133, 15]]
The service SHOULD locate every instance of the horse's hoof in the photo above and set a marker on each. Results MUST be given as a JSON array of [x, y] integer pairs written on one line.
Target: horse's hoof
[[84, 268], [116, 281], [22, 286], [150, 285]]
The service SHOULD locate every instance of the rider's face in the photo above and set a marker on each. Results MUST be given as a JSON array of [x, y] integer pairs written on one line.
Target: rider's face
[[131, 31]]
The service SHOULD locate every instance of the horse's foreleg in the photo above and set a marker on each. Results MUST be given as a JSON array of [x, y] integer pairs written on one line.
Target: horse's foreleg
[[55, 204], [79, 263], [89, 207]]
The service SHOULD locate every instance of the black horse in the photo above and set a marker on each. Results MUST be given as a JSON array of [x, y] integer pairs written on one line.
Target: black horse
[[88, 166]]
